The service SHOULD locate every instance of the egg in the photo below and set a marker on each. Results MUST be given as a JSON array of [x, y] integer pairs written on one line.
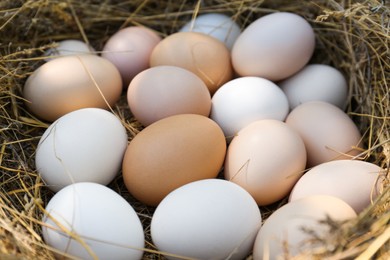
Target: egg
[[69, 47], [286, 232], [201, 54], [206, 219], [172, 152], [327, 131], [244, 100], [266, 158], [164, 91], [129, 50], [86, 145], [90, 221], [68, 83], [355, 182], [275, 46], [316, 82], [219, 26]]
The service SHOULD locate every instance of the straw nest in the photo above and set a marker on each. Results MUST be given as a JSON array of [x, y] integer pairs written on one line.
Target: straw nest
[[352, 36]]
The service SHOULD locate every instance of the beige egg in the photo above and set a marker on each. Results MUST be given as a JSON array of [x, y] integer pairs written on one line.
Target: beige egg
[[172, 152], [164, 91], [266, 158], [283, 232], [204, 55], [274, 47], [327, 131], [129, 50], [68, 83], [355, 182]]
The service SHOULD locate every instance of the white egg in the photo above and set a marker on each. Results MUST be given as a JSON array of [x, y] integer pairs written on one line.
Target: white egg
[[91, 221], [69, 47], [244, 100], [84, 145], [219, 26], [316, 82], [287, 230], [207, 219]]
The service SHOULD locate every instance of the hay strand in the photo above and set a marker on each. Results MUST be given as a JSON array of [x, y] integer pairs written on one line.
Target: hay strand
[[352, 36]]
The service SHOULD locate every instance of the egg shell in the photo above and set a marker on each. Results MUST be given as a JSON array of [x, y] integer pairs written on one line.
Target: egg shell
[[283, 231], [84, 145], [69, 47], [219, 26], [355, 182], [206, 219], [316, 82], [164, 91], [129, 50], [90, 221], [327, 131], [172, 152], [266, 158], [68, 83], [244, 100], [275, 46], [201, 54]]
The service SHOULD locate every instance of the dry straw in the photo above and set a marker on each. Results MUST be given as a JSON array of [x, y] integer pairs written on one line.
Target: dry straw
[[351, 35]]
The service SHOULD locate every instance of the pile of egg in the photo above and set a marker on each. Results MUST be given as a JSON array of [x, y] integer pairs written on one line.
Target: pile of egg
[[232, 121]]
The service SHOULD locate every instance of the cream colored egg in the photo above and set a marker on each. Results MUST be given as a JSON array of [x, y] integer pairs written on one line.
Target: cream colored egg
[[355, 182], [283, 233], [274, 47]]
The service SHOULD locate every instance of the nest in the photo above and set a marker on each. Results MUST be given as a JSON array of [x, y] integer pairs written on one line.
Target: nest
[[352, 36]]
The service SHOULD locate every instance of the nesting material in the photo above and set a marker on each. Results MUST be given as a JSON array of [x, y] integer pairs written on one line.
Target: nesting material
[[353, 36]]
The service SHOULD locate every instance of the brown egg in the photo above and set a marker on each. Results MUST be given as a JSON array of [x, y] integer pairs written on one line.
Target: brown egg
[[202, 54], [172, 152], [69, 83], [327, 131]]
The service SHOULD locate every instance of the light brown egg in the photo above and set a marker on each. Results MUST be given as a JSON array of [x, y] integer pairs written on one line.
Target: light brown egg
[[172, 152], [164, 91], [266, 158], [204, 55], [327, 131], [68, 83]]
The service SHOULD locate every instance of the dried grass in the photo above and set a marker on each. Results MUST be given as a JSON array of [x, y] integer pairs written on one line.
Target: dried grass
[[351, 35]]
